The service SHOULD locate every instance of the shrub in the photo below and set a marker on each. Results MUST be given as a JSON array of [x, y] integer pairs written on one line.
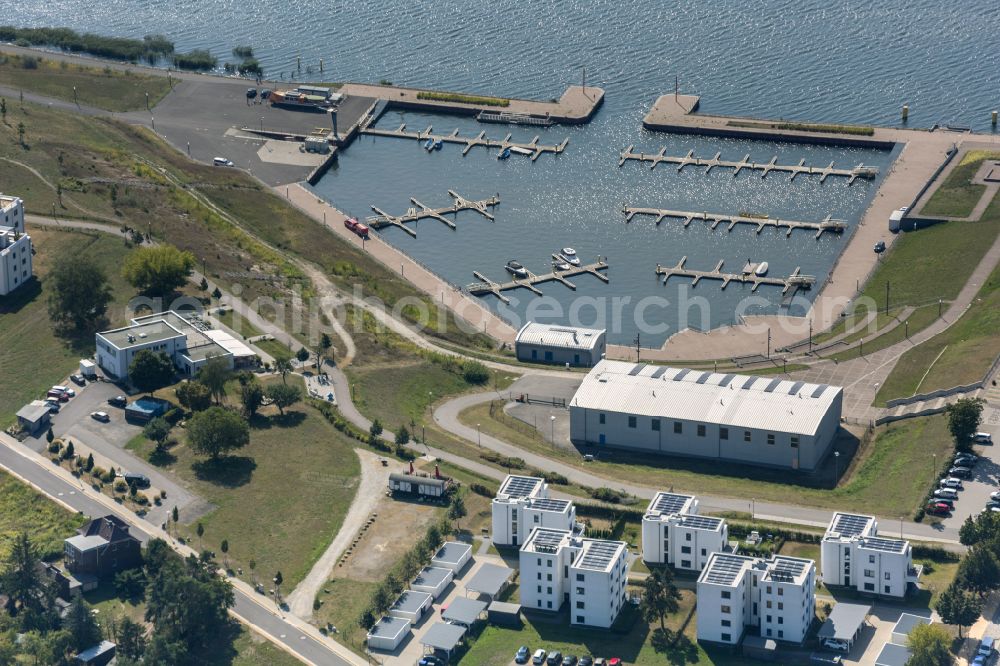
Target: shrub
[[54, 447], [29, 62], [475, 372], [198, 60], [480, 489], [120, 486], [606, 495], [173, 416], [503, 461], [463, 99]]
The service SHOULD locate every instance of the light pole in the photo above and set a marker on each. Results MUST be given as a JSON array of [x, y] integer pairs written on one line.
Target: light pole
[[552, 421], [836, 458], [479, 436], [753, 507]]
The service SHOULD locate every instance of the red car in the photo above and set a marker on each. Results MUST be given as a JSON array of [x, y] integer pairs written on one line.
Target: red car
[[937, 509], [614, 661]]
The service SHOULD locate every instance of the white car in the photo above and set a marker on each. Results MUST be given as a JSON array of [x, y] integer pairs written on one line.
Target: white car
[[951, 482], [835, 644], [100, 416], [995, 495], [222, 161], [949, 493]]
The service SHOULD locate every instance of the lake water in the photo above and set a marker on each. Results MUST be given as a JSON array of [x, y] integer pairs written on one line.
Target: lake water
[[808, 60]]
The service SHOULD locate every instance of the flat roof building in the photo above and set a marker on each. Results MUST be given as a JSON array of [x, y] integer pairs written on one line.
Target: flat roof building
[[775, 596], [12, 212], [16, 260], [906, 623], [432, 580], [388, 633], [591, 574], [411, 605], [673, 533], [452, 555], [561, 345], [740, 418], [522, 504], [853, 555]]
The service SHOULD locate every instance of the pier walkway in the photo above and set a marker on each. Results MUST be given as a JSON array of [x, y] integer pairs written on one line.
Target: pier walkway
[[488, 286], [422, 211], [794, 281], [715, 219], [532, 147], [860, 171]]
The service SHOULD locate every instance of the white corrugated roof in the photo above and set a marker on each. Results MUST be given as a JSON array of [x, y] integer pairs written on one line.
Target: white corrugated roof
[[742, 401], [551, 335], [228, 342]]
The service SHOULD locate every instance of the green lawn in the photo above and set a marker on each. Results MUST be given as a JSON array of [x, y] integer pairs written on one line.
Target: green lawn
[[32, 355], [343, 602], [104, 88], [23, 509], [957, 196]]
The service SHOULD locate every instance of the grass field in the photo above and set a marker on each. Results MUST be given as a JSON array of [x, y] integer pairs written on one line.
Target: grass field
[[343, 602], [23, 509], [32, 355], [103, 88], [960, 355], [957, 196]]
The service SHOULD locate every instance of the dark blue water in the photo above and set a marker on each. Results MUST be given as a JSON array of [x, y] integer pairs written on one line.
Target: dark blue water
[[808, 60]]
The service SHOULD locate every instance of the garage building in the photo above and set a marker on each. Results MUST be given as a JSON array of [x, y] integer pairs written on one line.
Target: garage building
[[388, 633], [740, 418], [546, 343]]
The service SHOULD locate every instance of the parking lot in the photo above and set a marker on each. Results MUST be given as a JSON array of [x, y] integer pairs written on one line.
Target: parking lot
[[985, 475]]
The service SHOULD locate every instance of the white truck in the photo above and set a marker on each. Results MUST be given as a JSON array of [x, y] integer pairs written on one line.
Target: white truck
[[896, 219]]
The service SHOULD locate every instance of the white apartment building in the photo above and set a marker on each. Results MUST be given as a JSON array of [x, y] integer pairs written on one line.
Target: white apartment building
[[558, 566], [12, 213], [853, 555], [673, 533], [522, 504], [16, 263], [776, 596]]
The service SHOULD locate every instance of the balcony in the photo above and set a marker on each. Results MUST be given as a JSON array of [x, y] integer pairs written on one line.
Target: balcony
[[914, 572]]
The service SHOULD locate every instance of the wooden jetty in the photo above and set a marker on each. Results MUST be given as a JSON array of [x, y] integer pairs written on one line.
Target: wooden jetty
[[422, 211], [534, 148], [488, 286], [794, 281], [860, 171], [503, 117], [715, 219]]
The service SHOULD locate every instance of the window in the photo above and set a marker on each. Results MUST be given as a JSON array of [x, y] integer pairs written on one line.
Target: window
[[768, 632], [539, 601], [869, 587], [726, 594], [746, 435], [725, 609], [769, 589], [539, 575], [539, 561], [580, 619], [768, 618], [549, 604], [685, 564], [600, 418], [726, 638], [687, 537], [727, 623], [701, 430], [631, 421], [579, 604], [795, 441], [781, 591], [549, 577], [579, 578], [656, 425], [768, 603], [549, 591], [887, 577], [781, 606], [723, 433], [888, 589], [548, 563], [871, 559], [770, 438], [781, 620], [678, 427], [579, 590], [539, 589], [704, 552], [781, 634], [537, 518], [685, 550], [869, 573]]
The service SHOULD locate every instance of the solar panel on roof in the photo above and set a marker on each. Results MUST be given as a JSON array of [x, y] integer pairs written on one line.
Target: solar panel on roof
[[548, 540], [682, 374], [546, 504], [819, 390], [724, 569], [702, 522], [659, 372], [598, 555], [795, 388], [786, 570], [669, 503], [887, 545], [726, 379], [849, 524], [773, 385], [639, 367], [519, 486]]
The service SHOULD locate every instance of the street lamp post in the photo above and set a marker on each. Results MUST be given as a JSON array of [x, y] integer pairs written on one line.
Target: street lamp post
[[552, 421], [836, 458], [753, 507], [479, 436]]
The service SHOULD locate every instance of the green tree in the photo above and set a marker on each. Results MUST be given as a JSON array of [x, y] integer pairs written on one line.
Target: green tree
[[402, 436], [224, 547], [78, 294], [214, 375], [174, 514], [150, 370], [283, 395], [929, 646], [964, 417], [216, 431], [81, 624], [374, 431], [201, 532], [157, 430], [475, 372], [457, 509], [958, 607], [302, 355], [659, 596], [22, 582], [252, 397], [158, 270], [194, 395], [323, 350], [979, 570], [166, 651], [131, 640], [90, 462], [283, 365]]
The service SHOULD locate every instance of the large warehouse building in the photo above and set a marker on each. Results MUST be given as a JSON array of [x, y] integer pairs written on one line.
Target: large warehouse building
[[741, 418]]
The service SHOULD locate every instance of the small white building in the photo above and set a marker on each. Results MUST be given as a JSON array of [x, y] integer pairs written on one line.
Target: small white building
[[432, 580], [452, 555], [522, 504], [906, 623], [411, 605], [12, 213], [16, 261], [557, 566], [388, 633], [673, 533], [726, 417], [853, 555], [547, 343], [776, 596]]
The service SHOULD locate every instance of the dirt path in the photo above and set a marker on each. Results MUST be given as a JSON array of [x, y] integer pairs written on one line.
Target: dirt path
[[374, 478]]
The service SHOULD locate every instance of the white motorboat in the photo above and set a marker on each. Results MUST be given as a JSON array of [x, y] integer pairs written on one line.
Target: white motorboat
[[761, 269], [568, 255], [515, 268]]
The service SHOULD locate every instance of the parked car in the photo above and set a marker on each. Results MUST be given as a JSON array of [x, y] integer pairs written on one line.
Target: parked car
[[430, 660], [570, 660], [59, 388], [118, 401], [979, 660], [136, 479], [222, 161], [70, 392], [965, 460], [554, 658], [523, 655], [251, 93], [100, 416], [586, 660], [986, 647], [79, 380], [982, 438], [960, 472], [614, 661], [995, 495], [945, 500], [951, 482], [265, 93], [949, 493], [539, 657], [937, 509], [53, 405], [880, 247], [836, 644]]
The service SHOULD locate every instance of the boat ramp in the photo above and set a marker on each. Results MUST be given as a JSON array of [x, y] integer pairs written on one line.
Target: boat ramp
[[421, 211], [488, 286], [715, 219], [532, 148], [794, 281]]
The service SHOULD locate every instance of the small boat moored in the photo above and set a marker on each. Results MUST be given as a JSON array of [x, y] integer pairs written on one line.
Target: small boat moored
[[429, 145], [515, 268], [503, 154], [761, 269], [568, 255]]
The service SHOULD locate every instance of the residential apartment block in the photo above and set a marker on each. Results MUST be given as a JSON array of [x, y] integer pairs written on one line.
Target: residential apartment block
[[522, 504], [12, 213], [775, 596], [673, 533], [853, 555], [16, 261], [590, 574]]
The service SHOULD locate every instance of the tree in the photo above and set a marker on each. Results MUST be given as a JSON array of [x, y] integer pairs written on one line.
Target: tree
[[402, 436], [203, 285], [49, 435], [90, 462], [958, 607], [214, 375], [929, 646], [224, 547], [284, 395], [217, 430], [165, 651], [174, 514], [69, 451], [157, 430], [659, 596], [979, 570], [130, 583], [131, 640], [457, 509], [964, 417], [302, 355], [194, 395], [81, 624], [158, 270], [201, 532], [252, 397], [150, 370], [78, 293], [253, 565], [374, 431], [325, 345], [22, 582], [283, 364], [20, 133]]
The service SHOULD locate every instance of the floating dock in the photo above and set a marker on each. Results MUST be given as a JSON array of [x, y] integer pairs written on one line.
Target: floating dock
[[794, 281], [860, 171], [506, 118], [422, 211], [715, 219], [488, 286], [532, 147]]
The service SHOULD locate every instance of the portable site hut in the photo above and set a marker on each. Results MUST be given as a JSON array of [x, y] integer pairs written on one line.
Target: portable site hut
[[463, 611], [504, 614], [411, 605], [453, 555], [419, 486], [388, 633], [432, 580], [906, 623]]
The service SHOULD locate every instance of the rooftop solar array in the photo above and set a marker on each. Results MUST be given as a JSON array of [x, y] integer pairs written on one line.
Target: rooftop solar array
[[598, 555], [519, 486], [849, 524], [887, 545], [783, 570], [670, 503], [724, 569], [547, 540], [545, 504], [702, 522]]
